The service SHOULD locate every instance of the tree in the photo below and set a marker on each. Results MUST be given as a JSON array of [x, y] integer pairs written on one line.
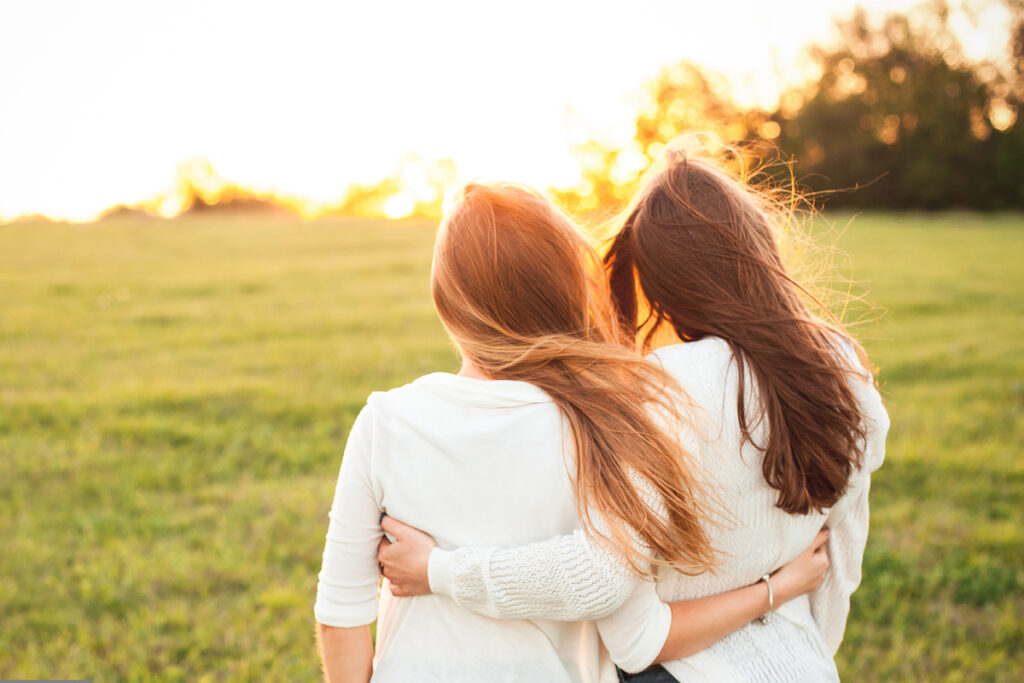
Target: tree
[[900, 118], [683, 98]]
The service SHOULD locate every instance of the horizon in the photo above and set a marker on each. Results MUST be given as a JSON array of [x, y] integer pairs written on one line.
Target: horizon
[[101, 111]]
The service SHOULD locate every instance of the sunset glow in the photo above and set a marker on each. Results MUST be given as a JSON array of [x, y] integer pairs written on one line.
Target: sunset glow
[[100, 102]]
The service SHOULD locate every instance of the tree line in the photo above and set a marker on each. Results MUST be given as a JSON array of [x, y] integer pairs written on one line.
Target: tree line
[[899, 117]]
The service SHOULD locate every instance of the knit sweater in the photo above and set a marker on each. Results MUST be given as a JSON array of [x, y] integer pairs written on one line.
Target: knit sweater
[[569, 578], [468, 461]]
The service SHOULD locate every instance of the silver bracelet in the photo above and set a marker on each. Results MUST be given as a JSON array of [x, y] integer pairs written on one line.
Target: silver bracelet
[[766, 617]]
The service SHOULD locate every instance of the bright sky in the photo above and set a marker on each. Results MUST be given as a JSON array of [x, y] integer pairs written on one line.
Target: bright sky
[[100, 100]]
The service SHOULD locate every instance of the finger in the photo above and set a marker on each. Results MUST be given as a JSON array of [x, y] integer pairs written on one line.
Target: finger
[[394, 527], [820, 539], [386, 551], [382, 548]]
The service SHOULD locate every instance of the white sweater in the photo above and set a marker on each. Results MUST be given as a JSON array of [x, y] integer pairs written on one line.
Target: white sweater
[[543, 579], [469, 462]]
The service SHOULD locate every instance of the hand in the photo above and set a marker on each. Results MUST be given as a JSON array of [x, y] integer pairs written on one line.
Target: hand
[[404, 561], [804, 573]]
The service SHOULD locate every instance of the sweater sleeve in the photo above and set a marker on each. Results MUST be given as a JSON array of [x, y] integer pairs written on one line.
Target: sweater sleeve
[[635, 633], [347, 591], [568, 578], [848, 524]]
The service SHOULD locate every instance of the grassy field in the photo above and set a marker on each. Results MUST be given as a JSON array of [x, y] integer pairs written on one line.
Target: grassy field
[[174, 399]]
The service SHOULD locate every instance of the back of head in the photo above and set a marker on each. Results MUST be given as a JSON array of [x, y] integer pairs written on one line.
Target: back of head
[[702, 249], [522, 294], [510, 269]]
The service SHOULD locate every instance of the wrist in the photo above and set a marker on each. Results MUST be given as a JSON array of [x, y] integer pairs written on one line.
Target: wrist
[[783, 589], [767, 581]]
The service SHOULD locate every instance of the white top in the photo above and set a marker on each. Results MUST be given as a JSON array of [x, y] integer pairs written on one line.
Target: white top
[[799, 643], [469, 462]]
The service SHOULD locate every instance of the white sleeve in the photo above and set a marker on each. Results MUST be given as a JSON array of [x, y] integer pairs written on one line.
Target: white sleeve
[[636, 632], [848, 524], [568, 578], [830, 602], [348, 588]]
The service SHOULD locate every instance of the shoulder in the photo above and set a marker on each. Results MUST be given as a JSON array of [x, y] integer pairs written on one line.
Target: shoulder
[[384, 413], [700, 354], [869, 400], [698, 365], [402, 400], [846, 349], [384, 406], [706, 373]]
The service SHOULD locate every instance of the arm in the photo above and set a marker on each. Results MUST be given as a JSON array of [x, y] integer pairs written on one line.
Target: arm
[[848, 521], [346, 653], [645, 630], [642, 630], [568, 578], [346, 600]]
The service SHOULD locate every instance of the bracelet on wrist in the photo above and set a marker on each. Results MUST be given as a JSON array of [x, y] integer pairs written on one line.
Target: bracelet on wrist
[[767, 616]]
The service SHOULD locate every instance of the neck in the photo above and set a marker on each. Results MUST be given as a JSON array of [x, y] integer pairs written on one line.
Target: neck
[[470, 370]]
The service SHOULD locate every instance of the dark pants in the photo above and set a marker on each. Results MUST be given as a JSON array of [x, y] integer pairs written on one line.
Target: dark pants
[[655, 674]]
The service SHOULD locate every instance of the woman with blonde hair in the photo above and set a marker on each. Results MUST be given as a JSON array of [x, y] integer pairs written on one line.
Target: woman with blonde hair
[[790, 424], [552, 424]]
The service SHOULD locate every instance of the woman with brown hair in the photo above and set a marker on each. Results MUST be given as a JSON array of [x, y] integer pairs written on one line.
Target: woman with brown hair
[[790, 425], [552, 424]]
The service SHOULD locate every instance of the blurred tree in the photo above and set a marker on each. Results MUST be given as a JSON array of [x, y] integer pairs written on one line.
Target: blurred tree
[[900, 118], [198, 189], [415, 188], [683, 98]]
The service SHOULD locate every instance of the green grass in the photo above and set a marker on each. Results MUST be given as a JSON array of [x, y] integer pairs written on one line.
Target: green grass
[[174, 399], [943, 593]]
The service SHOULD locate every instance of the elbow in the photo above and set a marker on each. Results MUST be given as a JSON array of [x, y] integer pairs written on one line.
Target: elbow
[[326, 636], [322, 628], [633, 668], [633, 664], [346, 653]]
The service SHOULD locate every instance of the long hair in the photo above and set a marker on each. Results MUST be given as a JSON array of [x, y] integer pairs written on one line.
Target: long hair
[[522, 294], [700, 247]]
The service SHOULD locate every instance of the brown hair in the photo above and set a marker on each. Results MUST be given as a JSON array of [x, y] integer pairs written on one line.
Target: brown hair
[[523, 296], [701, 248]]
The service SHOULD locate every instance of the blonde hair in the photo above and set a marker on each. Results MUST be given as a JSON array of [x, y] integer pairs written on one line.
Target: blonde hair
[[522, 294]]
